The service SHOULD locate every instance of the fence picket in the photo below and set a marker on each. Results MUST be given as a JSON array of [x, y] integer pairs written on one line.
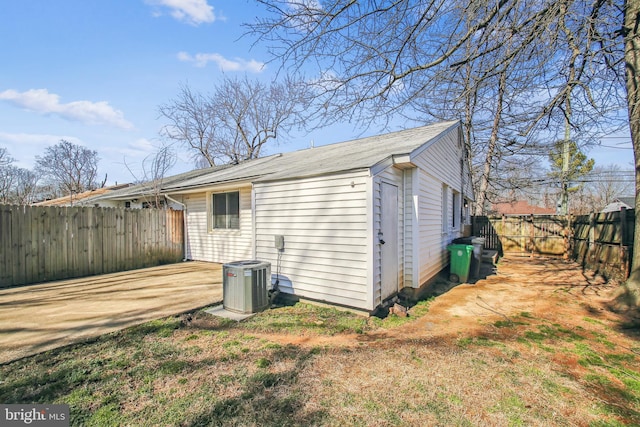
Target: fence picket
[[40, 243], [5, 243], [602, 242]]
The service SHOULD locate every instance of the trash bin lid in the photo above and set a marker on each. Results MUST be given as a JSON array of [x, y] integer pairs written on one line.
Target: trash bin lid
[[460, 247], [471, 240], [463, 240]]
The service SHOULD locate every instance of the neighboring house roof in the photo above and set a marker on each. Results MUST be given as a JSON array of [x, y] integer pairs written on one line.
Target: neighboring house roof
[[146, 188], [620, 202], [629, 201], [521, 207], [81, 198], [352, 155]]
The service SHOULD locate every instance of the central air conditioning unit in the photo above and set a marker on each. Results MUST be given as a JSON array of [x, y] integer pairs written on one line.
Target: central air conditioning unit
[[245, 286]]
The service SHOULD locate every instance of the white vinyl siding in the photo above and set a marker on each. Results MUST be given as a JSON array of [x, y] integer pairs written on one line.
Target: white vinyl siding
[[439, 179], [324, 224], [218, 245], [429, 233], [411, 262]]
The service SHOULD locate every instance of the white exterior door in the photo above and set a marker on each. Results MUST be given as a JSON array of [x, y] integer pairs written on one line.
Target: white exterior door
[[388, 239]]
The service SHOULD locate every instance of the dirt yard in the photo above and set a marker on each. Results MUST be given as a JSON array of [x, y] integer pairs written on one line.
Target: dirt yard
[[533, 344], [547, 288]]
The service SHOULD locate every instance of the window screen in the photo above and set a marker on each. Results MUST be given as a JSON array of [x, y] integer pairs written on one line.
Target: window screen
[[226, 210]]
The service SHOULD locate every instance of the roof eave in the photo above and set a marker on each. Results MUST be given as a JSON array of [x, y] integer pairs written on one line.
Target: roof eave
[[246, 181], [415, 153], [403, 161]]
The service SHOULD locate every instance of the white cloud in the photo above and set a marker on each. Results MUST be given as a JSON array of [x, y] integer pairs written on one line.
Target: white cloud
[[237, 64], [194, 12], [41, 101], [139, 148], [34, 139]]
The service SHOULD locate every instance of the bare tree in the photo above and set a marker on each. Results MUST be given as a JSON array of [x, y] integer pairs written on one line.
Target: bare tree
[[24, 188], [631, 33], [492, 94], [600, 187], [235, 122], [376, 57], [192, 124], [608, 183], [522, 178], [155, 168], [71, 168], [252, 113], [5, 159], [376, 60], [17, 185], [6, 175]]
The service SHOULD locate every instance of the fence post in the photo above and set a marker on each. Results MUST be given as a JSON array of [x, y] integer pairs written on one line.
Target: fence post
[[568, 233], [592, 237], [502, 224], [532, 237]]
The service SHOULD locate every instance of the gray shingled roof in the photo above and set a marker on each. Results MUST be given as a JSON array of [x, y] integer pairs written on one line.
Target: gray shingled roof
[[144, 188], [352, 155], [361, 153]]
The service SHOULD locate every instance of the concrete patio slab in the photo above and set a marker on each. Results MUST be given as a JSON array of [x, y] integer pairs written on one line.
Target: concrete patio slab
[[41, 317]]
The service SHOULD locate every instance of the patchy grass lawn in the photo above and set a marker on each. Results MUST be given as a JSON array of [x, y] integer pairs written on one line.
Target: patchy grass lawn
[[344, 369]]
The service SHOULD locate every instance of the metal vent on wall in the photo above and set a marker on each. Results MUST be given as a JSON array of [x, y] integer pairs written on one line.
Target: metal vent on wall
[[245, 286]]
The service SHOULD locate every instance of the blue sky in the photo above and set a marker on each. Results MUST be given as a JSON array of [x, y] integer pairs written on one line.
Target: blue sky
[[94, 72]]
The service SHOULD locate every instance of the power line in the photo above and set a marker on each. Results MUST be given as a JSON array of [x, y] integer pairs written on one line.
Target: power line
[[616, 148]]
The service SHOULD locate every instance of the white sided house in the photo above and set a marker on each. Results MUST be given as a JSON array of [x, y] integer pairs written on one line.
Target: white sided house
[[360, 220]]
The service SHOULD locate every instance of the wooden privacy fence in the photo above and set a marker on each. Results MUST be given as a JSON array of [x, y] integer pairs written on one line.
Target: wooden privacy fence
[[602, 242], [541, 234], [42, 243]]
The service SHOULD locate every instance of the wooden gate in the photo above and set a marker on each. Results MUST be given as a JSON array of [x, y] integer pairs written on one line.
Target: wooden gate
[[541, 234], [602, 242]]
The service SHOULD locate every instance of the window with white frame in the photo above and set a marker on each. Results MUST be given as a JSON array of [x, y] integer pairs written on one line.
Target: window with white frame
[[455, 210], [225, 210], [445, 208]]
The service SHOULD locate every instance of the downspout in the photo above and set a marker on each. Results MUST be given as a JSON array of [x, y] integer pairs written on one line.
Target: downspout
[[404, 227], [184, 222]]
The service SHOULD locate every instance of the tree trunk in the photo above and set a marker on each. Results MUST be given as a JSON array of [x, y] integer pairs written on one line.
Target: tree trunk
[[629, 294], [492, 147]]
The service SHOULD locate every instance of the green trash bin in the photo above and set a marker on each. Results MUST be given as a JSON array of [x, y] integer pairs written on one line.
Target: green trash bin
[[460, 262]]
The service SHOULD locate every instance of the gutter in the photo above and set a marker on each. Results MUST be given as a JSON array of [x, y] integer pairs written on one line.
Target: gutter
[[184, 221]]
